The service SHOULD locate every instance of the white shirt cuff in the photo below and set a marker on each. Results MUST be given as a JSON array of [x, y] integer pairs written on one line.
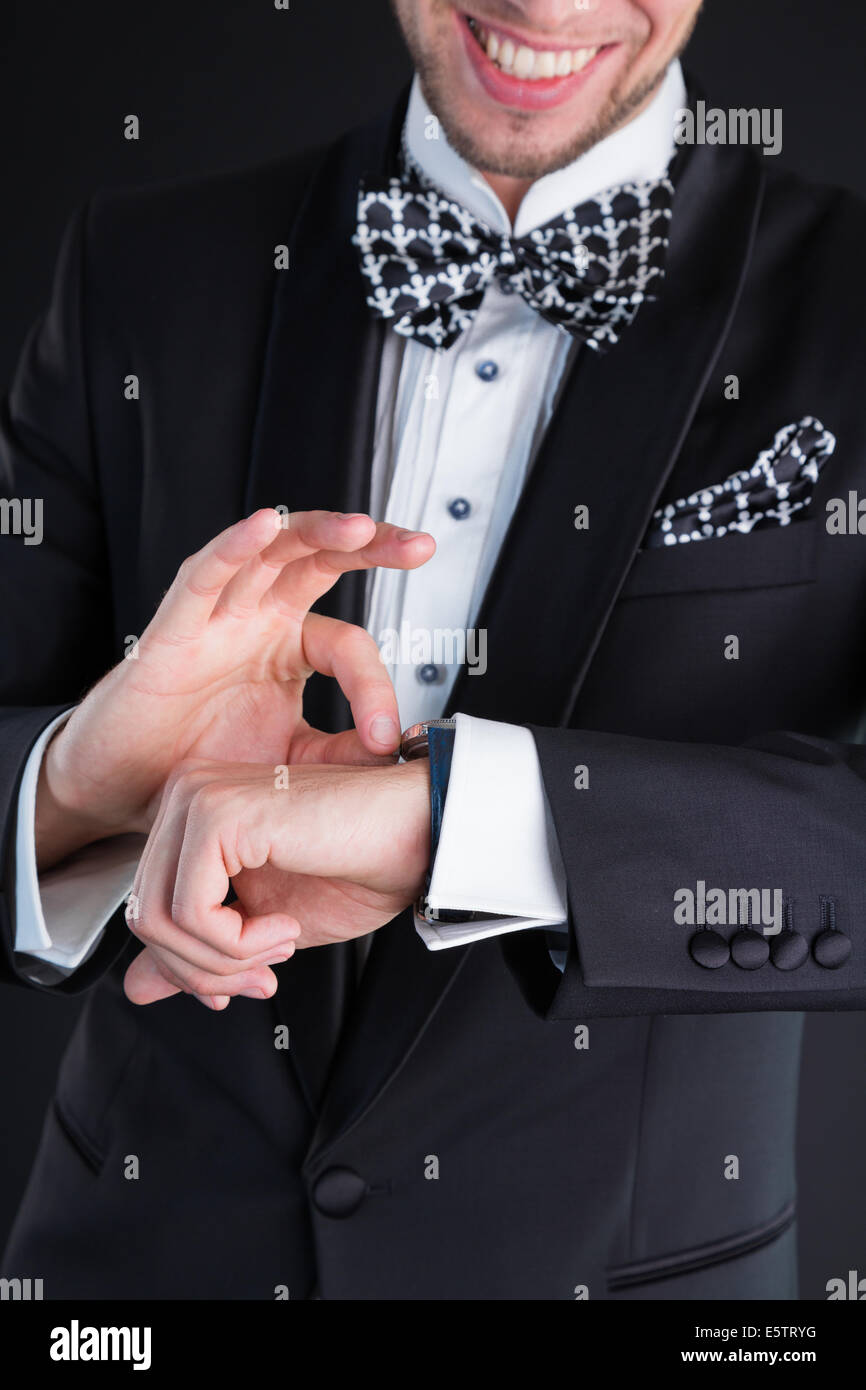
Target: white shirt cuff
[[61, 914], [498, 852]]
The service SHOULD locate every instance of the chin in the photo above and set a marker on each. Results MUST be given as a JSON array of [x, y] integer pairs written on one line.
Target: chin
[[507, 122]]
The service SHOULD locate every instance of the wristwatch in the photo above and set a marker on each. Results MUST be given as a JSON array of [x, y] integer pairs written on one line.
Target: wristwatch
[[434, 739]]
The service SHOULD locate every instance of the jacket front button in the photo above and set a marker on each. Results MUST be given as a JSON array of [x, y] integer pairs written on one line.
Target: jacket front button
[[338, 1192]]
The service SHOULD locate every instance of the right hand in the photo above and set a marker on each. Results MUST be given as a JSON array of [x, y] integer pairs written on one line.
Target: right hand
[[220, 673]]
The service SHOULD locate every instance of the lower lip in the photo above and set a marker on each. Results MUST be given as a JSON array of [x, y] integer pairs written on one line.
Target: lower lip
[[514, 91]]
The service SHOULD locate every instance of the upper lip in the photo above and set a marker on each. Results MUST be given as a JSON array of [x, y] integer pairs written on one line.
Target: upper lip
[[543, 44]]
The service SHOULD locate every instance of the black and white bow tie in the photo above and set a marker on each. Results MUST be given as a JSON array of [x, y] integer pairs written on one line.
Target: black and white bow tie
[[428, 261]]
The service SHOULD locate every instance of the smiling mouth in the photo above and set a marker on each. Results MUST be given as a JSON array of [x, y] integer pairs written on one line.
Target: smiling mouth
[[524, 62]]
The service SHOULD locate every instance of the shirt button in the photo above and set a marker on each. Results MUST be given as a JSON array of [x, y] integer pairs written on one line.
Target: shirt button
[[488, 370], [428, 674], [459, 508]]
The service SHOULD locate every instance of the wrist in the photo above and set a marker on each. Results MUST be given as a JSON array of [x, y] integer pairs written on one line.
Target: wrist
[[414, 781], [66, 819]]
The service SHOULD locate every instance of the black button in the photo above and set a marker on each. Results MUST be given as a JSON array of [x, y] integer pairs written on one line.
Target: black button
[[749, 949], [459, 508], [429, 674], [339, 1192], [709, 949], [831, 949], [789, 950], [488, 371]]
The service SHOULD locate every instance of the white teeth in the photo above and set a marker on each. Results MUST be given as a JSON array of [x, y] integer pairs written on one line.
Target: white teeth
[[530, 64], [524, 61]]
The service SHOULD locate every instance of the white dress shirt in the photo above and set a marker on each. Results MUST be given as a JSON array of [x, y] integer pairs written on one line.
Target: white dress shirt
[[456, 433]]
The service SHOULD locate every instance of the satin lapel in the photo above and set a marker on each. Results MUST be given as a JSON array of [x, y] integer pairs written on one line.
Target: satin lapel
[[312, 448], [616, 431]]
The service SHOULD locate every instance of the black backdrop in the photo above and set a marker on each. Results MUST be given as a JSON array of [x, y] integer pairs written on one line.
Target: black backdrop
[[221, 83]]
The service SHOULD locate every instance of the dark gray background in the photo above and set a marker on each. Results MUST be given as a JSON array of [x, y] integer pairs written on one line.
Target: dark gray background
[[221, 83]]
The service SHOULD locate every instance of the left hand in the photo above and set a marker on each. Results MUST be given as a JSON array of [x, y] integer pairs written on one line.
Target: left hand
[[333, 854]]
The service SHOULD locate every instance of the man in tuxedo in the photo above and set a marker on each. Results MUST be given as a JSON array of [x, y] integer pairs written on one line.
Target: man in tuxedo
[[616, 378]]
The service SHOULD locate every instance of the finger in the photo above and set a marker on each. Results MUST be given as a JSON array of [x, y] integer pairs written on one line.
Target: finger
[[167, 973], [203, 875], [148, 980], [302, 534], [298, 586], [345, 749], [166, 935], [217, 942], [189, 603], [349, 654]]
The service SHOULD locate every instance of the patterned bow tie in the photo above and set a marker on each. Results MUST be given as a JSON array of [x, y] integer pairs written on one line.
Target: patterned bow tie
[[428, 261]]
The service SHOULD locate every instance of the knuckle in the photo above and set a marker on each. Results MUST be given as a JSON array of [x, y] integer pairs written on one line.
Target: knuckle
[[184, 915], [356, 644], [199, 981], [185, 774], [145, 932], [206, 800]]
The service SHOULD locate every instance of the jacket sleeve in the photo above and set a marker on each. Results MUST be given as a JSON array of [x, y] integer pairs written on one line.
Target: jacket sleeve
[[702, 878], [55, 596]]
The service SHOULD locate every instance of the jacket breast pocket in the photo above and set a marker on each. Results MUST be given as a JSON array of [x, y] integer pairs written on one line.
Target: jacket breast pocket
[[762, 559]]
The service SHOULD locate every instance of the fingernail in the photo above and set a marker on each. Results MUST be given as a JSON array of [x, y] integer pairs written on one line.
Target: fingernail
[[385, 730], [254, 993], [410, 535], [353, 516], [276, 960]]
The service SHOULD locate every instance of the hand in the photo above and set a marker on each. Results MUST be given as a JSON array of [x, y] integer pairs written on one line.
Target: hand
[[220, 673], [343, 851]]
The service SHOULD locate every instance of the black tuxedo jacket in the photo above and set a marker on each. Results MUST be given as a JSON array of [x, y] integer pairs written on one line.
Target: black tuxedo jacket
[[581, 1123]]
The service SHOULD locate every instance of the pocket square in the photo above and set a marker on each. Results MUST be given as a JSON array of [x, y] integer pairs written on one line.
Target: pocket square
[[770, 493]]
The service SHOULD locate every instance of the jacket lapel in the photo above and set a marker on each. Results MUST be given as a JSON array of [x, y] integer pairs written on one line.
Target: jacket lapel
[[619, 424], [616, 431]]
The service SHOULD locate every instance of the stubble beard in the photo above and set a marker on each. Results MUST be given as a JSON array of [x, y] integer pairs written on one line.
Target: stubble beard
[[512, 158]]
